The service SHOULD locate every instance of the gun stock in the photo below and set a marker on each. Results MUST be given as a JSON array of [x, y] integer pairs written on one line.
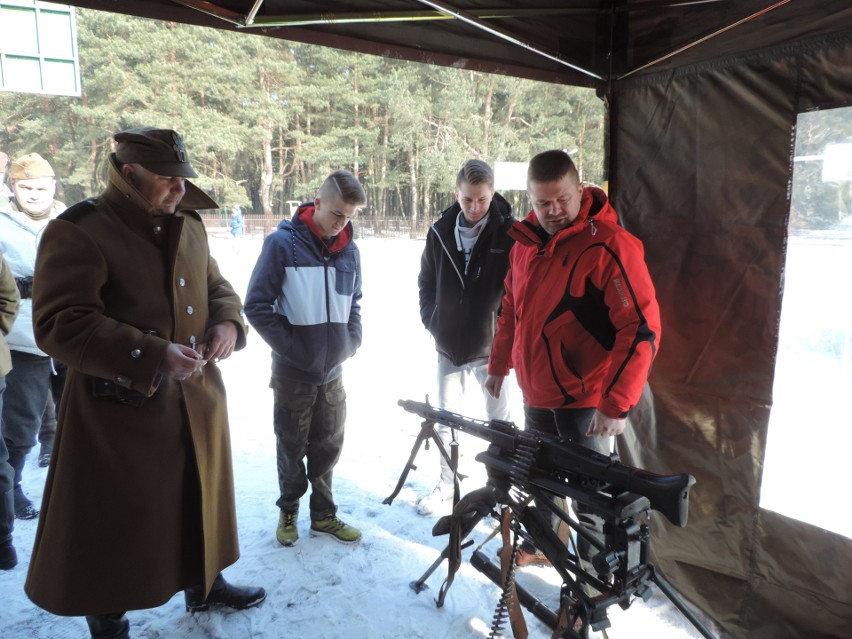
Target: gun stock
[[668, 494]]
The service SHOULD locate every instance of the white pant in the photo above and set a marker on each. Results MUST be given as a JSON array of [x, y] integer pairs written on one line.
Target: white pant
[[452, 383]]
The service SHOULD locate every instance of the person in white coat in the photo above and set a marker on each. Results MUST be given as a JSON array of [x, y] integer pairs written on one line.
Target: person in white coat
[[34, 375]]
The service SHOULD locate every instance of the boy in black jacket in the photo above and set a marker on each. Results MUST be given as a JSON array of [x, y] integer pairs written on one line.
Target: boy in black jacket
[[461, 286]]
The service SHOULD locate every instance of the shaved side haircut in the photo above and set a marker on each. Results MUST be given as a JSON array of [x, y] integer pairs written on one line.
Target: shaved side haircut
[[344, 185]]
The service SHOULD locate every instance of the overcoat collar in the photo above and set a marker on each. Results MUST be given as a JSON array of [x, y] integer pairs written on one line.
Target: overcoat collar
[[121, 190]]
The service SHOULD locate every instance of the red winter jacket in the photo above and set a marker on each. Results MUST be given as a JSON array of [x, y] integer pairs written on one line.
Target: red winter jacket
[[580, 321]]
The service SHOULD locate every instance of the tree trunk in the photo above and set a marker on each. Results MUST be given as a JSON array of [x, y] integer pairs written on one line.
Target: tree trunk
[[266, 172], [412, 188], [486, 117], [305, 168], [298, 165], [501, 145], [383, 171], [356, 166]]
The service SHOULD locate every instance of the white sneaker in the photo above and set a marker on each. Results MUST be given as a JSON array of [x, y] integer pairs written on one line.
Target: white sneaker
[[438, 502]]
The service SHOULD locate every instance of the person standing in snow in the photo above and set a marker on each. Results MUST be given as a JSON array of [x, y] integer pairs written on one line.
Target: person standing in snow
[[304, 299], [580, 322], [9, 299], [236, 227], [461, 278], [139, 501], [34, 375]]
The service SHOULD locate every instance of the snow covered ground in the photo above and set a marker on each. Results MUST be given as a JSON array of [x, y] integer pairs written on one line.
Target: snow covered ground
[[321, 589]]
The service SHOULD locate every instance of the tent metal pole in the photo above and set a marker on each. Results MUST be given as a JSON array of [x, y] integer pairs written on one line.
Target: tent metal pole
[[214, 10], [443, 7], [251, 14]]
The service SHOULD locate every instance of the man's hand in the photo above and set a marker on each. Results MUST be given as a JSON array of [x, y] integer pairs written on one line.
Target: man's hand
[[181, 362], [494, 384], [220, 340], [603, 426]]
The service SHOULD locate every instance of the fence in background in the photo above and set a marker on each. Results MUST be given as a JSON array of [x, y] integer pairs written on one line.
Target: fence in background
[[255, 225]]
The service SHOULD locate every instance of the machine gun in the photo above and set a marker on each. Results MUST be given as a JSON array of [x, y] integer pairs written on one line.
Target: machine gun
[[527, 472]]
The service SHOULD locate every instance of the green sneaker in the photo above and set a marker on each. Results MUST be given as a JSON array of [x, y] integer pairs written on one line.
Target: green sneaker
[[287, 533], [331, 525]]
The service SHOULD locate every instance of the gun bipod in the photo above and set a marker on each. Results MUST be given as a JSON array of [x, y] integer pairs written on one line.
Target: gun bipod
[[427, 433]]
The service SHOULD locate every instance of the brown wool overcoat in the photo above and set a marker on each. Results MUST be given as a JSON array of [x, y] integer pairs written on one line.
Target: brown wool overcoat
[[139, 500], [9, 299]]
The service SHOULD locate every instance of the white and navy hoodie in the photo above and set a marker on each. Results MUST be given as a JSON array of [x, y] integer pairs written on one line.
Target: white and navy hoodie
[[304, 299]]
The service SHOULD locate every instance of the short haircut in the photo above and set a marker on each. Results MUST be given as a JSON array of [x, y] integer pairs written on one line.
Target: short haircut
[[550, 166], [475, 172], [344, 185]]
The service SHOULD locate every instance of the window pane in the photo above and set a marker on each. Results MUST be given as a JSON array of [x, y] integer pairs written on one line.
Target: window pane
[[59, 77], [18, 31], [56, 36], [810, 427], [22, 74]]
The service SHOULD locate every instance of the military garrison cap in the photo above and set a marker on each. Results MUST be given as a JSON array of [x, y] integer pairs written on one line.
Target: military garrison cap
[[161, 151], [30, 167]]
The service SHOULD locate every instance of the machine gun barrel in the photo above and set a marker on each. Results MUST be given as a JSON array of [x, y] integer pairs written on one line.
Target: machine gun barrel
[[501, 433], [668, 494]]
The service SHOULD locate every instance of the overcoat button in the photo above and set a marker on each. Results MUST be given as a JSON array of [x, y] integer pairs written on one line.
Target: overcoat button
[[192, 339], [182, 281], [157, 230], [121, 380], [136, 353], [190, 310]]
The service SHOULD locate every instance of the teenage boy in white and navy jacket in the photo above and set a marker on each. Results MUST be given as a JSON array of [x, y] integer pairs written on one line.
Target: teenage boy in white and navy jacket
[[461, 278], [304, 300]]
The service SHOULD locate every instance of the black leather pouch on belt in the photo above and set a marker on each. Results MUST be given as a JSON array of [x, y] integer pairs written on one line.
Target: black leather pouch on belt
[[25, 287], [108, 388]]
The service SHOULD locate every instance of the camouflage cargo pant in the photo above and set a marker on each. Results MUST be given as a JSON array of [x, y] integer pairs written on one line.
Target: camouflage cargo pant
[[309, 422]]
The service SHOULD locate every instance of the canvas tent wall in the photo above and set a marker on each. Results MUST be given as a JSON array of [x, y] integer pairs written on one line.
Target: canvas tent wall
[[701, 166], [703, 101]]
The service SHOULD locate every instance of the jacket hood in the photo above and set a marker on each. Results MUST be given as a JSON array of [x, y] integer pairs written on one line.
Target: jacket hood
[[594, 207], [194, 198], [305, 215]]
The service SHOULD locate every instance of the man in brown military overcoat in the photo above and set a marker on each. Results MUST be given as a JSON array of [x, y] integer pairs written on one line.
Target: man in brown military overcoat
[[139, 501]]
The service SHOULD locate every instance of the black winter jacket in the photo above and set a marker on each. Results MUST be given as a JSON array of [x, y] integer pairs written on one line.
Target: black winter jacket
[[460, 311]]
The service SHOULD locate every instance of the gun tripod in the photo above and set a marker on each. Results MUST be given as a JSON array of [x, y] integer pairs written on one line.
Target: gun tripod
[[619, 569]]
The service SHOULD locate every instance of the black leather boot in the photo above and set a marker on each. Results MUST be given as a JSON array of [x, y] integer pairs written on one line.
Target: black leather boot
[[24, 508], [111, 626], [8, 556], [224, 595]]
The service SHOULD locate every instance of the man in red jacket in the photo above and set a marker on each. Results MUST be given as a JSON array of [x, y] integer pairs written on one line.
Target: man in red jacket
[[580, 321]]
